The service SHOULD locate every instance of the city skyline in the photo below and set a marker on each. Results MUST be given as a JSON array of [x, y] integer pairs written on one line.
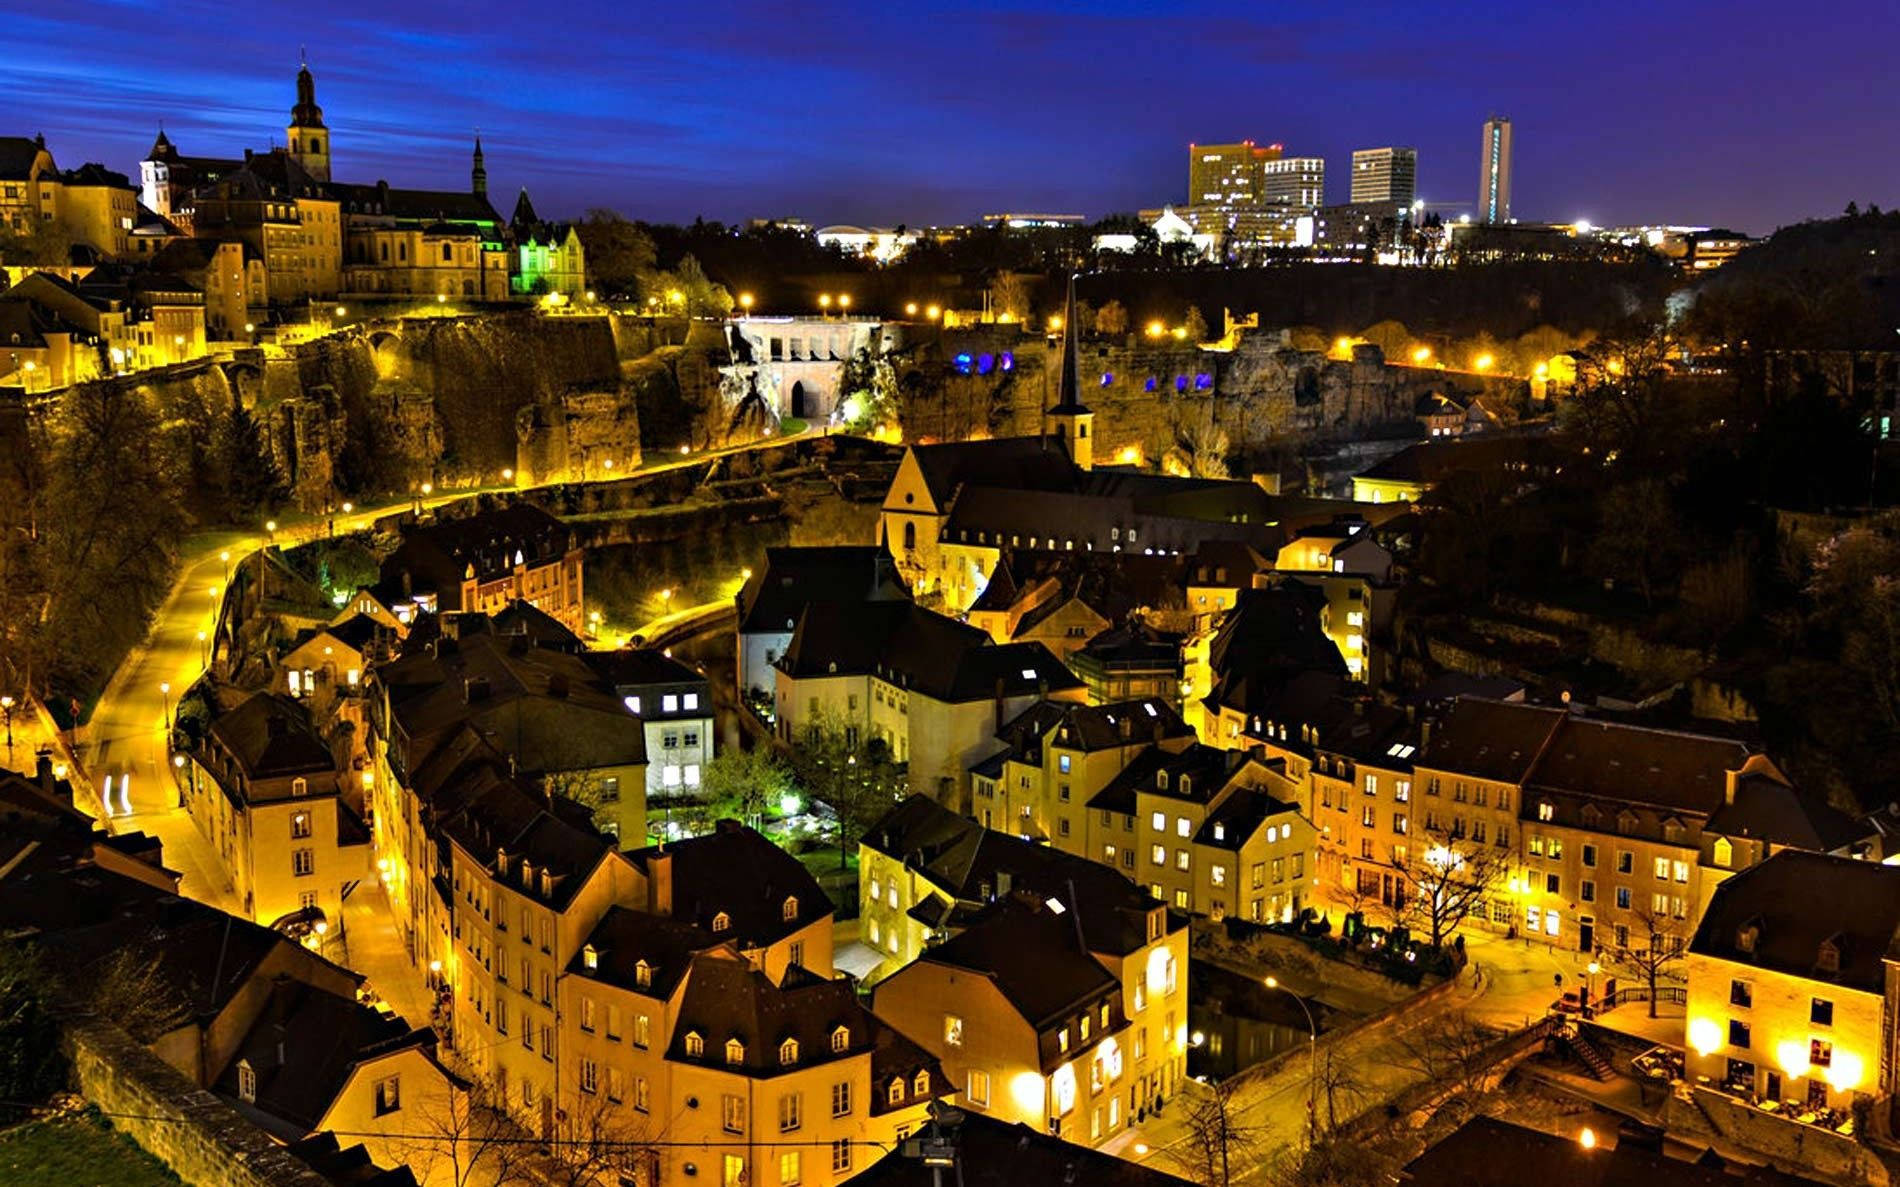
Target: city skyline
[[681, 115]]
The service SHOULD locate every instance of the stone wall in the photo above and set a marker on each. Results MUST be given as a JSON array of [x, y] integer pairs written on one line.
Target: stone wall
[[1804, 1149], [202, 1139]]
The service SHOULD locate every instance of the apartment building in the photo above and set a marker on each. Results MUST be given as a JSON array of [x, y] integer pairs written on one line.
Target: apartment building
[[486, 561], [675, 703]]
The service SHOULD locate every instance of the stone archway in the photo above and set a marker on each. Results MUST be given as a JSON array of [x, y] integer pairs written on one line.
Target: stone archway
[[798, 400]]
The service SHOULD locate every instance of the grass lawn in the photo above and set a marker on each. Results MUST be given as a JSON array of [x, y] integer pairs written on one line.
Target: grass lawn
[[77, 1151]]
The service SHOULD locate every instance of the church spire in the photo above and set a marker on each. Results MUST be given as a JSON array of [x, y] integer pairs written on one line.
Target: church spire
[[478, 173], [1073, 422]]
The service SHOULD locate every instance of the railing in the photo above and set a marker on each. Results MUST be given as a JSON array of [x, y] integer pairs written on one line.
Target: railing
[[1569, 1003]]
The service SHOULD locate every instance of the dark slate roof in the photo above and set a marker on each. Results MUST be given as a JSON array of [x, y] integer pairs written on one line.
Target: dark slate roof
[[625, 937], [992, 513], [547, 709], [1498, 740], [489, 812], [1766, 808], [1014, 463], [1349, 724], [92, 173], [1487, 1152], [1204, 768], [1033, 956], [642, 667], [346, 1166], [919, 649], [273, 175], [736, 870], [17, 154], [1799, 901], [727, 999], [975, 866], [1429, 461], [1133, 645], [992, 1153], [303, 1045], [271, 737], [1269, 637], [1073, 726], [25, 322], [1612, 761], [793, 578], [436, 556], [1225, 563], [419, 206]]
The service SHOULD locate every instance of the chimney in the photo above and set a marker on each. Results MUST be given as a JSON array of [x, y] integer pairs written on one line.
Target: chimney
[[43, 771], [660, 884]]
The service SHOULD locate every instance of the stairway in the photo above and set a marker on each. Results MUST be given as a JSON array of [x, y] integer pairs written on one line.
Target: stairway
[[1592, 1059]]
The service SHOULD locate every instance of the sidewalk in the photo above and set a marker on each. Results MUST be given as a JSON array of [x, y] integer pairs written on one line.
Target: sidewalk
[[373, 947]]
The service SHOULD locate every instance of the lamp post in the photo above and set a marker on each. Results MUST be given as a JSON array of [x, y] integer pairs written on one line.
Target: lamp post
[[6, 707], [1590, 972], [204, 650], [165, 703], [1312, 1061], [225, 557]]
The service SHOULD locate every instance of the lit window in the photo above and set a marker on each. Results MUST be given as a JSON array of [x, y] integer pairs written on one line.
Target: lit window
[[721, 922], [952, 1030]]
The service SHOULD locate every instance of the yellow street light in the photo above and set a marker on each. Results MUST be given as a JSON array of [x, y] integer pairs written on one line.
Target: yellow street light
[[250, 327], [1421, 354], [1483, 362], [1055, 321], [910, 309], [1180, 333], [1156, 329], [348, 507], [507, 473], [677, 297], [1587, 1138], [666, 595], [745, 574], [932, 312], [590, 294], [844, 301], [270, 525], [428, 488], [824, 300], [342, 311], [1542, 370]]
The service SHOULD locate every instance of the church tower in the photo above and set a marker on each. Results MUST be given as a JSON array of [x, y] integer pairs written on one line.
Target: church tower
[[478, 173], [308, 139], [1074, 424]]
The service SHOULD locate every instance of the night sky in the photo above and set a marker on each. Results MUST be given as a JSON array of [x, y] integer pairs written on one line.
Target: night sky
[[1747, 114]]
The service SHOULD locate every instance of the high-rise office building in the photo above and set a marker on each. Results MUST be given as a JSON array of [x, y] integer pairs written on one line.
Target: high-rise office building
[[1385, 175], [1227, 174], [1494, 172], [1295, 182]]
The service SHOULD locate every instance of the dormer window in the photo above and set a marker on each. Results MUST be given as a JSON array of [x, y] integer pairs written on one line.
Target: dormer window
[[1187, 785], [590, 958], [788, 1052], [921, 1084], [735, 1051], [1545, 810], [527, 874], [1161, 780], [1745, 937], [547, 883], [695, 1045], [897, 1091], [1828, 959], [791, 908], [643, 974], [1220, 832], [722, 922], [247, 1082], [840, 1039]]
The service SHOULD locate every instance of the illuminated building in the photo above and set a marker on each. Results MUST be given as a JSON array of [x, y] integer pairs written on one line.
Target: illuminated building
[[1068, 1017], [1294, 183], [1385, 175], [483, 563], [1228, 174], [275, 207], [1494, 172], [675, 704], [774, 598], [1790, 973], [264, 790], [548, 256], [308, 139], [91, 204]]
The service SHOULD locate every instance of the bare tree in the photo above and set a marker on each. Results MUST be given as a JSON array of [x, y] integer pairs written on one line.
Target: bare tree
[[1451, 1049], [598, 1143], [1215, 1137], [1339, 1088], [1652, 959], [134, 990], [1450, 881], [853, 776], [464, 1139], [1009, 297]]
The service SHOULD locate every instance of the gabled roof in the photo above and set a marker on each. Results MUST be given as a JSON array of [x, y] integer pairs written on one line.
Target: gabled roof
[[1240, 815], [489, 812], [1270, 636], [1033, 956], [437, 557], [1192, 776], [1430, 461], [975, 866], [921, 650], [625, 938], [735, 870], [1072, 726], [303, 1046], [793, 578], [270, 737], [1013, 463], [1613, 761], [17, 154], [1496, 740], [347, 1166], [992, 1153], [1795, 903], [1766, 808], [642, 667]]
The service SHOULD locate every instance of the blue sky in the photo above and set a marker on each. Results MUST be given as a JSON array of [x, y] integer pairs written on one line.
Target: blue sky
[[1746, 114]]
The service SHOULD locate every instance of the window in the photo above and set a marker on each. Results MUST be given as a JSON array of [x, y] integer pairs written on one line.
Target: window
[[1182, 858], [840, 1039], [1545, 810], [1723, 855], [1741, 993], [1553, 884], [669, 703], [613, 1021], [841, 1099], [616, 1084], [641, 1098], [1062, 763], [978, 1091], [690, 700], [247, 1082], [1218, 874], [300, 826], [1821, 1012], [952, 1030], [643, 975], [587, 1014], [789, 1169], [590, 1076], [788, 1052], [1158, 855], [732, 1113], [896, 1093], [790, 911], [1588, 892], [721, 922], [695, 1045], [1737, 1033], [1623, 898], [841, 1155], [1625, 862], [299, 787], [789, 1110], [642, 1031], [1662, 869], [1820, 1052], [735, 1051], [303, 862], [1062, 1039], [1160, 821]]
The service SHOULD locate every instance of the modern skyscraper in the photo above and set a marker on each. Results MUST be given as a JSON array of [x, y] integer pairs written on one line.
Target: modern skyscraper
[[1385, 175], [1295, 182], [1494, 172], [1227, 174]]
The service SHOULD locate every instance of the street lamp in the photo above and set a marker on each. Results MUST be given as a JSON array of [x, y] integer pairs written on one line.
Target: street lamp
[[1312, 1063], [910, 309], [844, 304], [745, 303], [932, 312], [165, 703], [226, 558], [1590, 986], [824, 303], [204, 650], [6, 707]]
